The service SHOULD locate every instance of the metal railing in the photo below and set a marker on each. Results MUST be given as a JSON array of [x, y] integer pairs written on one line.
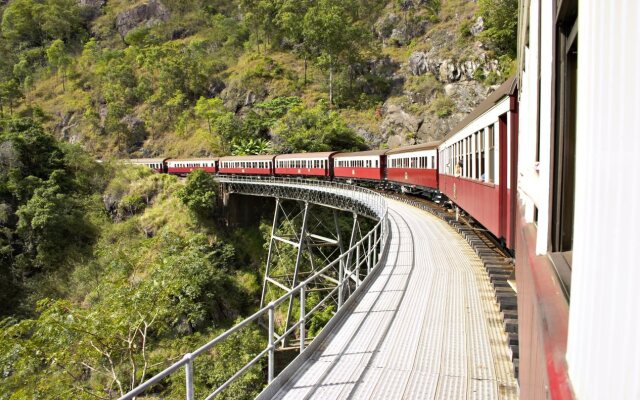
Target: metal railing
[[328, 193], [365, 255]]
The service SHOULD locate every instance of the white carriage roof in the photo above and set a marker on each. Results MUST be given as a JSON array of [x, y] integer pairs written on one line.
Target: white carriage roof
[[324, 154], [146, 160], [415, 147], [361, 153], [268, 157], [193, 159]]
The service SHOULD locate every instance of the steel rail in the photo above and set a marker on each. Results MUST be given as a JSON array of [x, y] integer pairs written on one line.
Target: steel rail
[[325, 193]]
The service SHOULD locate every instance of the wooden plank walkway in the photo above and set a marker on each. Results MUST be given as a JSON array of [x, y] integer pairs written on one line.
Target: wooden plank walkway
[[427, 328]]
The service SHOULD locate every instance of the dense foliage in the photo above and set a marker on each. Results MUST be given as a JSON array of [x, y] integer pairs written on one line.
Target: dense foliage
[[501, 18], [109, 272]]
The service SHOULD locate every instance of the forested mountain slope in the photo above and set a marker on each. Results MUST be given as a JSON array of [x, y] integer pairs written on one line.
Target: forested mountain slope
[[179, 78], [109, 272]]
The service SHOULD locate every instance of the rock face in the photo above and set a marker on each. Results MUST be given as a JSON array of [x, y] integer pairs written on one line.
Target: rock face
[[477, 27], [148, 14], [91, 8], [397, 30], [398, 126], [136, 128], [67, 125], [448, 70]]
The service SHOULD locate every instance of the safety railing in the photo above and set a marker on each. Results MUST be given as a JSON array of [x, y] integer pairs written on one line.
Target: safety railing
[[365, 255], [329, 193]]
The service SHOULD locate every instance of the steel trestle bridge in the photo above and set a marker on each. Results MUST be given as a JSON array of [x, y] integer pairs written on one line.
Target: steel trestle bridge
[[414, 315]]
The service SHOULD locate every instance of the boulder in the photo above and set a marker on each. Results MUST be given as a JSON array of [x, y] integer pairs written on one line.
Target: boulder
[[91, 8], [146, 14], [449, 71], [398, 126], [385, 25], [418, 63], [477, 27]]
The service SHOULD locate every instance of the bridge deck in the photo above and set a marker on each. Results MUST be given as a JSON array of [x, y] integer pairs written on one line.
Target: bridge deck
[[427, 328]]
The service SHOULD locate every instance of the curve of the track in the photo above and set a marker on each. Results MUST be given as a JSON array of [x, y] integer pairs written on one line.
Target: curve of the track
[[427, 328]]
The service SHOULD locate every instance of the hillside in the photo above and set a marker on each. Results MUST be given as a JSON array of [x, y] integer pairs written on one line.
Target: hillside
[[165, 77]]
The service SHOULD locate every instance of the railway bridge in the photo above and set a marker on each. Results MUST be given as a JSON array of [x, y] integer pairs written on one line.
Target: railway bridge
[[414, 312]]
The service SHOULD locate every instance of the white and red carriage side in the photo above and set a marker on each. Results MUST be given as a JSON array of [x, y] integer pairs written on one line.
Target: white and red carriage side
[[414, 167], [305, 164], [186, 165], [361, 165], [246, 165], [477, 162], [156, 164]]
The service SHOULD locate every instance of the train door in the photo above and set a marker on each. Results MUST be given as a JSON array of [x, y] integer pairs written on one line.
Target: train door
[[502, 175]]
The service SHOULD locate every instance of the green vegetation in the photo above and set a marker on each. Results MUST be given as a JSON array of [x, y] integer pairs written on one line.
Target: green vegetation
[[109, 272], [501, 19], [443, 106]]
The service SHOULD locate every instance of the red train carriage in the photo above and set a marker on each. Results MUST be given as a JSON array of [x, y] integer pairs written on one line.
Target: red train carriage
[[156, 164], [414, 167], [184, 166], [477, 162], [362, 165], [305, 164], [246, 165]]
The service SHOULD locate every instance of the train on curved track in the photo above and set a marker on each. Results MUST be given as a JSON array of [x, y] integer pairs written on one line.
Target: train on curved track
[[473, 166], [547, 164]]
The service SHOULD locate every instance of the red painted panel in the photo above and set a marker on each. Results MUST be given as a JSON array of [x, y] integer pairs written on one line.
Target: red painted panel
[[186, 170], [414, 176], [543, 318], [358, 173], [502, 159], [246, 171], [302, 171], [480, 200], [513, 168]]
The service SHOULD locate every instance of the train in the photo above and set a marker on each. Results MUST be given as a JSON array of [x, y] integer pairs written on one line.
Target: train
[[547, 164], [472, 166]]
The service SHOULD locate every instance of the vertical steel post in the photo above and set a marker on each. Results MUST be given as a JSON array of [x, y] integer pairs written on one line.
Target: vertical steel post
[[369, 254], [375, 244], [303, 318], [188, 369], [347, 264], [301, 244], [269, 255], [271, 346], [357, 266]]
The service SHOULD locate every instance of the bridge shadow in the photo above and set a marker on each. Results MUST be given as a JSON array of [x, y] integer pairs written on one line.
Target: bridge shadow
[[334, 359]]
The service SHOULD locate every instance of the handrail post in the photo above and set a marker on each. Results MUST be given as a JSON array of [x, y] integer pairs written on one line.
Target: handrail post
[[189, 376], [340, 281], [357, 266], [303, 318], [369, 255], [375, 244], [271, 346]]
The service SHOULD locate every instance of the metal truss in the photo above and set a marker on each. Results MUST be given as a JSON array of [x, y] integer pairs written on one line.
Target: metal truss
[[323, 265], [326, 193]]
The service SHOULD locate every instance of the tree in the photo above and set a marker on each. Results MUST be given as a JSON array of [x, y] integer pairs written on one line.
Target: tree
[[199, 193], [250, 146], [290, 19], [333, 35], [314, 129], [58, 58], [501, 20], [219, 121]]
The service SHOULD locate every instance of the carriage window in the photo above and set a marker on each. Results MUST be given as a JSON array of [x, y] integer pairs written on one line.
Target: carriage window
[[492, 157]]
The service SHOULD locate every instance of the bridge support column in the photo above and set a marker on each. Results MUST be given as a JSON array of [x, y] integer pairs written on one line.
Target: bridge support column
[[295, 225]]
